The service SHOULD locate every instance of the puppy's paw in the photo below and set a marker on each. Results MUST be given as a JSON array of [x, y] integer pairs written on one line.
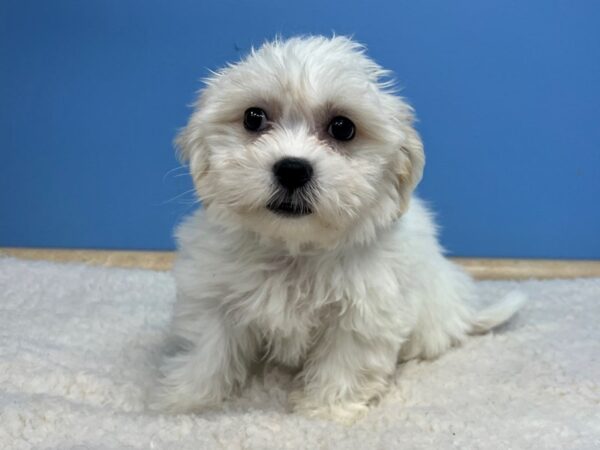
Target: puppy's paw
[[172, 400], [343, 412], [428, 346]]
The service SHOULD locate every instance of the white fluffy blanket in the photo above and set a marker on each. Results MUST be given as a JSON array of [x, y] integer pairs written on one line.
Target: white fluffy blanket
[[78, 349]]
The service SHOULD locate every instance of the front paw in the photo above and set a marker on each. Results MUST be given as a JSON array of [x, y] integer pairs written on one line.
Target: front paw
[[176, 396], [178, 401], [344, 412]]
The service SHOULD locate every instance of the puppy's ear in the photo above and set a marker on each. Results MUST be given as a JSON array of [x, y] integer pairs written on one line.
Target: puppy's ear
[[191, 146], [409, 162], [183, 143]]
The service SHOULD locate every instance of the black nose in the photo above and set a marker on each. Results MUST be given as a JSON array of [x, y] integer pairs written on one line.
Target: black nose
[[292, 173]]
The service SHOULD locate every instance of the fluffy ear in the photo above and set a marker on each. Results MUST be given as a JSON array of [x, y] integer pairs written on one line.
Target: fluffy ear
[[188, 138], [183, 143], [191, 146], [409, 164]]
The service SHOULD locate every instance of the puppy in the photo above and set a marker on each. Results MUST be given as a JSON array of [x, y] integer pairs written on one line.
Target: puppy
[[310, 250]]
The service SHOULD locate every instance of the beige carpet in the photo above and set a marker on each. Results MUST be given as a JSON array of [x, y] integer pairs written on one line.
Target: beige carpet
[[78, 347]]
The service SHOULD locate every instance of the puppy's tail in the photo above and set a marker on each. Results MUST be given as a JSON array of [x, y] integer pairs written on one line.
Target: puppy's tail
[[497, 314]]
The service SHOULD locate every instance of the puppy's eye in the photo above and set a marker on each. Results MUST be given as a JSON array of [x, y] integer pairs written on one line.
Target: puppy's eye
[[341, 128], [255, 119]]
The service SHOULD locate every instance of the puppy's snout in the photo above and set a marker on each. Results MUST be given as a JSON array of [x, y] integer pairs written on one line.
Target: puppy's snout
[[293, 173]]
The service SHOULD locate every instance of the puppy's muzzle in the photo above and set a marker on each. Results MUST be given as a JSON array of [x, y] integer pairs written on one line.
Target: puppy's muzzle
[[293, 175]]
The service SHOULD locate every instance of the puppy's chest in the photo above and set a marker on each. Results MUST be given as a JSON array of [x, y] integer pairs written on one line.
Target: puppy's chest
[[286, 306], [283, 296]]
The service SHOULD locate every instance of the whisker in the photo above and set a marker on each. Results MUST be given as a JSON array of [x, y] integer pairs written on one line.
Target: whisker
[[169, 172], [178, 196]]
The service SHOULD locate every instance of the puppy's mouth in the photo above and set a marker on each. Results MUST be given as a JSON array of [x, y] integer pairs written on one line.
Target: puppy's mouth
[[289, 209]]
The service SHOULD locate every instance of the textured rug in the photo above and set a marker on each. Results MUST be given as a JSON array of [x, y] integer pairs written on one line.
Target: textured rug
[[78, 349]]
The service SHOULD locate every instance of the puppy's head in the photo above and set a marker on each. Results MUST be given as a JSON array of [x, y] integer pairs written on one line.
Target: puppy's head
[[303, 142]]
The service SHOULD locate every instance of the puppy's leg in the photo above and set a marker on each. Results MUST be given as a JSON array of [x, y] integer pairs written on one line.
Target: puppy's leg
[[444, 317], [446, 314], [211, 361], [350, 366]]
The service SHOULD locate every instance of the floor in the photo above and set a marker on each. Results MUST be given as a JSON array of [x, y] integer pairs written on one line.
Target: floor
[[79, 345]]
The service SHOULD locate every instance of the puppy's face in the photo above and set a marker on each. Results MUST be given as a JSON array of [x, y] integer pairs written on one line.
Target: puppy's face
[[303, 143]]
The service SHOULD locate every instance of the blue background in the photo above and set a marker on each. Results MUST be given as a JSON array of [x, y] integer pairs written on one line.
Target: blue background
[[507, 92]]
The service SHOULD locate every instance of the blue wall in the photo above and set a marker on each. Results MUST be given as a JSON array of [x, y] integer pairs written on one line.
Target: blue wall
[[508, 95]]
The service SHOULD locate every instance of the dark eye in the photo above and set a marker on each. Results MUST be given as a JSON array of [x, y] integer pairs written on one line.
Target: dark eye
[[341, 128], [255, 119]]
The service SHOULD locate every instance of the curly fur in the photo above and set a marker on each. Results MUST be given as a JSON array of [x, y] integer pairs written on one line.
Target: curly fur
[[342, 294]]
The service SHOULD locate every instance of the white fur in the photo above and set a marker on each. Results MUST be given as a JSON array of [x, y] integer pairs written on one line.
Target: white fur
[[341, 294]]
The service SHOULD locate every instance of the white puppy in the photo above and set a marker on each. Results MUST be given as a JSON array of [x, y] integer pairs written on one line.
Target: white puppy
[[310, 251]]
